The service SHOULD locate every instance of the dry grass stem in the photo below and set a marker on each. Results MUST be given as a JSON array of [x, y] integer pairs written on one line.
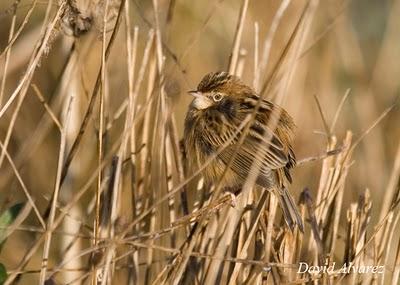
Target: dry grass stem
[[92, 111]]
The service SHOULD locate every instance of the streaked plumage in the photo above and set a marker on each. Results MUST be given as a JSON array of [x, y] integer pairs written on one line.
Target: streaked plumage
[[222, 103]]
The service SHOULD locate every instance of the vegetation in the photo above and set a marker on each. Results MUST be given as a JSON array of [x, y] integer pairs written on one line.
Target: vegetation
[[94, 185]]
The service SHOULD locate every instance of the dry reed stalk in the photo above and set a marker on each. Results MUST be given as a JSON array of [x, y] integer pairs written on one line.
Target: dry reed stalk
[[47, 107], [294, 54], [142, 179], [176, 150], [256, 74], [16, 224], [277, 68], [8, 53], [25, 189], [211, 276], [392, 189], [40, 48], [396, 271], [131, 50], [50, 220], [233, 59], [182, 261], [59, 219], [21, 27], [390, 244], [249, 235], [67, 87], [95, 92], [261, 68], [23, 86], [32, 143], [224, 239]]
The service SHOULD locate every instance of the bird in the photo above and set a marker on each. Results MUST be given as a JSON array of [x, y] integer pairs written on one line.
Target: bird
[[221, 103]]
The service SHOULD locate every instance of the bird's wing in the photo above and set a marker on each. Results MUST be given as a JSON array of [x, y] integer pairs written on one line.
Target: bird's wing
[[261, 145]]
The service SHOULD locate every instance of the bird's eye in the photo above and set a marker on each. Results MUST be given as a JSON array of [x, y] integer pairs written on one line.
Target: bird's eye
[[217, 97]]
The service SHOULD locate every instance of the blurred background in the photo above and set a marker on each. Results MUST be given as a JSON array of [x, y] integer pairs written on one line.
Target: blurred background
[[351, 47]]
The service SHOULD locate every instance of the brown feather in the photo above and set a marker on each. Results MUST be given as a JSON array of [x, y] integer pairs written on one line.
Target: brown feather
[[268, 142]]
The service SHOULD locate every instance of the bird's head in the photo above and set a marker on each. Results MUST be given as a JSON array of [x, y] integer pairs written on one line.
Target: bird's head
[[217, 88]]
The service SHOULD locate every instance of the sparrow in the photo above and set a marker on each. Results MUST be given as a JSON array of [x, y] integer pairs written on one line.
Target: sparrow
[[222, 102]]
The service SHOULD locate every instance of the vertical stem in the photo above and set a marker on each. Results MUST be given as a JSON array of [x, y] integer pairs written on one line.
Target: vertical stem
[[101, 131], [50, 221], [238, 36], [8, 53]]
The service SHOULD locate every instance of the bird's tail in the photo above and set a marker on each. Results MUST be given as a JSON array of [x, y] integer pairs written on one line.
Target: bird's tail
[[290, 211]]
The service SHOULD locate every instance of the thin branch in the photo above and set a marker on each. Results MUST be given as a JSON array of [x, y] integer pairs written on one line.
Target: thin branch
[[27, 194], [238, 37]]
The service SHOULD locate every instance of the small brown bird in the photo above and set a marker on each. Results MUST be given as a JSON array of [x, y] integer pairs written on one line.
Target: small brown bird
[[221, 104]]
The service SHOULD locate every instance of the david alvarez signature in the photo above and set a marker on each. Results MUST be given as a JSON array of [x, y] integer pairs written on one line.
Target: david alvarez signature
[[344, 269]]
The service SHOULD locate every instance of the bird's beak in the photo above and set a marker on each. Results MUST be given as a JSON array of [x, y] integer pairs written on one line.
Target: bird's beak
[[194, 93], [200, 101]]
